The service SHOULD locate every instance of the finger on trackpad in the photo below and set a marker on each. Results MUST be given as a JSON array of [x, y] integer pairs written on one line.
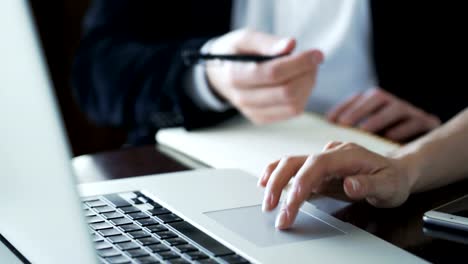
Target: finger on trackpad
[[259, 228]]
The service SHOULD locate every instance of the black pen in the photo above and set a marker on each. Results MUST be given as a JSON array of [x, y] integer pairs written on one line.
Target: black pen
[[193, 57]]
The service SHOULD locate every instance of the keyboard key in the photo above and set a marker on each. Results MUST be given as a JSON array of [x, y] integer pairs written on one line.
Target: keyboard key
[[121, 221], [143, 199], [129, 209], [88, 199], [210, 244], [206, 261], [183, 248], [145, 241], [102, 245], [104, 209], [112, 215], [196, 255], [169, 218], [138, 193], [108, 252], [88, 212], [118, 260], [147, 222], [137, 253], [94, 219], [154, 204], [159, 211], [127, 245], [109, 232], [96, 203], [167, 255], [165, 235], [96, 238], [138, 234], [138, 215], [99, 226], [234, 259], [176, 241], [147, 260], [130, 227], [179, 261], [158, 248], [118, 239], [156, 228], [137, 201], [116, 200]]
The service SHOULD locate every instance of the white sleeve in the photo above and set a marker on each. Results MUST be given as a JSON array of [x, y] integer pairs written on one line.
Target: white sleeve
[[198, 88]]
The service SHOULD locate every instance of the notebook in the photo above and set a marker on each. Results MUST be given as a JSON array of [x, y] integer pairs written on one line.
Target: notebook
[[237, 143]]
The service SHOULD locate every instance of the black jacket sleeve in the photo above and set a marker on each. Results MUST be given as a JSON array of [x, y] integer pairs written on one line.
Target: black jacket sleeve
[[128, 70]]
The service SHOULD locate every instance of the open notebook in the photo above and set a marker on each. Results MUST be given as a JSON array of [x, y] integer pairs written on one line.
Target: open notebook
[[237, 143]]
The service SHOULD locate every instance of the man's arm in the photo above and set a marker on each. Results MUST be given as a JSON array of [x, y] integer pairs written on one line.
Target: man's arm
[[129, 71]]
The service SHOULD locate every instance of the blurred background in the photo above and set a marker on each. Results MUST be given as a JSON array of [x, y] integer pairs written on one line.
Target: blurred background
[[59, 25]]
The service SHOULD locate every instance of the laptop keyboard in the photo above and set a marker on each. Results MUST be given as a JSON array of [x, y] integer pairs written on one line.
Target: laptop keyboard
[[132, 228]]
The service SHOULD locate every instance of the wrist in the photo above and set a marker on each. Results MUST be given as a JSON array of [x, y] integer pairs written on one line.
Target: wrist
[[410, 167]]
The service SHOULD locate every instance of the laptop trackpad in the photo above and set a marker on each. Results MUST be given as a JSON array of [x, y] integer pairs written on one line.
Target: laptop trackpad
[[259, 228]]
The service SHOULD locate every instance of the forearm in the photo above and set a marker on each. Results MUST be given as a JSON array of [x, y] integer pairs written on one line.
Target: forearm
[[122, 81], [439, 158], [129, 71]]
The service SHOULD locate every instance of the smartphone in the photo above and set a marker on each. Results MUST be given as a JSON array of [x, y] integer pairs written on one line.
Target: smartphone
[[453, 215], [450, 234]]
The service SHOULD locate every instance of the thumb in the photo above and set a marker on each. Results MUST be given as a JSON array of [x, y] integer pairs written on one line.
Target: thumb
[[358, 187], [374, 188], [265, 44]]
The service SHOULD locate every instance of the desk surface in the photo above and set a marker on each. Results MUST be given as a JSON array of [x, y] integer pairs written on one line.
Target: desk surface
[[401, 226]]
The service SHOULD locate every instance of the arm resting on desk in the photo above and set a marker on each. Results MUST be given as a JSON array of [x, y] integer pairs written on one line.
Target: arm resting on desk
[[436, 159], [439, 158]]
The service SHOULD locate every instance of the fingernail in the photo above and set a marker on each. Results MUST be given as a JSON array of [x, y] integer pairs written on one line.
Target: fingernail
[[281, 219], [259, 182], [317, 58], [280, 46], [355, 184]]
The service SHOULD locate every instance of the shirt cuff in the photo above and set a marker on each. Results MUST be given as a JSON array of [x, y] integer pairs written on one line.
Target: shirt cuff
[[199, 90]]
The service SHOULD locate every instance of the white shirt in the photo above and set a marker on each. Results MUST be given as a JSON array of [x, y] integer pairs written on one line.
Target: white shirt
[[340, 28]]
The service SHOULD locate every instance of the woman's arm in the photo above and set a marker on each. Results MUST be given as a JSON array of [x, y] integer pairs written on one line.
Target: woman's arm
[[438, 158]]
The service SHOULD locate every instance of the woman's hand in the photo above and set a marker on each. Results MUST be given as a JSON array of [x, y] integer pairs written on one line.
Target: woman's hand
[[382, 181]]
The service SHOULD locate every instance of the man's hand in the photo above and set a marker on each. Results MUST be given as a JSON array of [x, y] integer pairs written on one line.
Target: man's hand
[[269, 91], [376, 110], [383, 182]]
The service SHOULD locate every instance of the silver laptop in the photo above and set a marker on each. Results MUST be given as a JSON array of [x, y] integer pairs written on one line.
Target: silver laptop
[[202, 216]]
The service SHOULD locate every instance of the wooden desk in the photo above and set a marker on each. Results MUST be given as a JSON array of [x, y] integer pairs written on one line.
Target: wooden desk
[[401, 226]]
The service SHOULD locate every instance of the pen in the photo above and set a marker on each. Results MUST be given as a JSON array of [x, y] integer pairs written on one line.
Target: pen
[[193, 57]]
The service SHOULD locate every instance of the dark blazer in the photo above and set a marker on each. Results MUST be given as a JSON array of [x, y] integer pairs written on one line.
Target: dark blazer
[[128, 70]]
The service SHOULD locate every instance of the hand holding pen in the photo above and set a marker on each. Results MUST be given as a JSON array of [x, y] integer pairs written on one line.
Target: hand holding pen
[[258, 76]]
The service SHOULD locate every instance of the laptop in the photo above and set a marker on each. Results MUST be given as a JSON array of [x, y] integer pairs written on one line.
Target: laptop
[[200, 216]]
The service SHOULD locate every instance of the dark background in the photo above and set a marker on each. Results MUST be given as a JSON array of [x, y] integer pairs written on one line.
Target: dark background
[[59, 25]]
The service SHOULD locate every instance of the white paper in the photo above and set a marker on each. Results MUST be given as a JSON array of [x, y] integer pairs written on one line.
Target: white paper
[[239, 144]]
